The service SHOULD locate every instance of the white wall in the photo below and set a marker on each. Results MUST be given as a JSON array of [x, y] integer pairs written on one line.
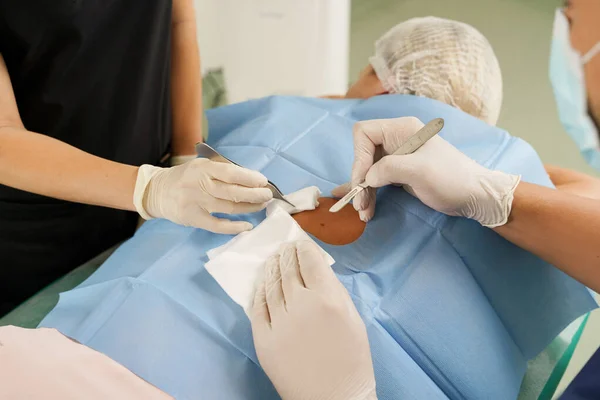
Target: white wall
[[276, 46], [209, 34]]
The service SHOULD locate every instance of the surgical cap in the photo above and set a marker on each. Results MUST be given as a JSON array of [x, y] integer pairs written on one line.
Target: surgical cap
[[443, 60]]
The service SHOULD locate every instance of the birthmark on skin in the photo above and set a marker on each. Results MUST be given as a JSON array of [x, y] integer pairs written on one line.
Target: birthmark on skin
[[338, 229]]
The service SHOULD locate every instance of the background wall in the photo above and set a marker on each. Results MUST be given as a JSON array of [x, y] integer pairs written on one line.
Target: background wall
[[270, 46], [209, 34]]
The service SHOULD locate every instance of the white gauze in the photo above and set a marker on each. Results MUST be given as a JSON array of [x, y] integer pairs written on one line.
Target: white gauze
[[239, 264], [304, 200]]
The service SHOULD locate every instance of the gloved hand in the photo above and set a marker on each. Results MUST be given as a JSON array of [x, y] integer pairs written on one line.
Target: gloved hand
[[187, 194], [308, 335], [178, 160], [438, 174]]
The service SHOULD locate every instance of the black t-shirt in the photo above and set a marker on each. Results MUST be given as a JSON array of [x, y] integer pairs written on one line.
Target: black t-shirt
[[94, 74]]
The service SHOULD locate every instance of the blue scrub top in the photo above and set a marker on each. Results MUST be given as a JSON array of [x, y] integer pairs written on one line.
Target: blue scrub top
[[586, 384]]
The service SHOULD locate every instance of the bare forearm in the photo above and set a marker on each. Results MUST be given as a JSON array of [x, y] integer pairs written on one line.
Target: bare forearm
[[46, 166], [561, 228], [560, 176], [186, 83], [574, 182]]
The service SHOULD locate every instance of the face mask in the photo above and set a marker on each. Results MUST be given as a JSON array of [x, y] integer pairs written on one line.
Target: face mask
[[568, 82]]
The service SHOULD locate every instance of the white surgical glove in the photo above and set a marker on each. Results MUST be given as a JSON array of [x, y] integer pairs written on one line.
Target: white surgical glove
[[309, 338], [187, 194], [178, 160], [438, 174]]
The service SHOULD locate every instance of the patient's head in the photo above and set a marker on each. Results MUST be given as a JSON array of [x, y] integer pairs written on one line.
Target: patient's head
[[342, 227], [436, 58]]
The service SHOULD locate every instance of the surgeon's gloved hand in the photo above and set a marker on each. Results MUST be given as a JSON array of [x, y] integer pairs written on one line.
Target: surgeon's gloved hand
[[438, 174], [309, 337], [187, 194]]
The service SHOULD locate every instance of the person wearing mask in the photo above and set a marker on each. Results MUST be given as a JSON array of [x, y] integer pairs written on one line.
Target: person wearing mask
[[562, 228], [93, 95]]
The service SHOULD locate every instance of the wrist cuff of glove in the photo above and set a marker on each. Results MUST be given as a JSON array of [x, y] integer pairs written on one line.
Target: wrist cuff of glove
[[501, 189], [178, 160], [372, 395], [145, 174]]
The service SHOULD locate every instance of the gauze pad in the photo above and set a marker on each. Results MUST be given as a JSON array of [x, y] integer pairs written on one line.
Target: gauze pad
[[238, 265], [304, 200]]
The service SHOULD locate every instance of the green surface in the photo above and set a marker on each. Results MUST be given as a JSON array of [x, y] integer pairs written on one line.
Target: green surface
[[545, 371], [553, 381], [213, 94]]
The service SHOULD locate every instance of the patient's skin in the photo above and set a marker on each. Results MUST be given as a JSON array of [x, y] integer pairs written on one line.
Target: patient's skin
[[367, 86], [342, 227]]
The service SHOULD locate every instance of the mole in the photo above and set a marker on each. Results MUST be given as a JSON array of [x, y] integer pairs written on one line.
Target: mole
[[340, 228]]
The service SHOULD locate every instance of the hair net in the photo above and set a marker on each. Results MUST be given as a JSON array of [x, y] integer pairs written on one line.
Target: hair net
[[444, 60]]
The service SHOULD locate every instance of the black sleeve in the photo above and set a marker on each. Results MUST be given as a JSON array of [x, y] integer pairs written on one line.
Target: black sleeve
[[2, 33]]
